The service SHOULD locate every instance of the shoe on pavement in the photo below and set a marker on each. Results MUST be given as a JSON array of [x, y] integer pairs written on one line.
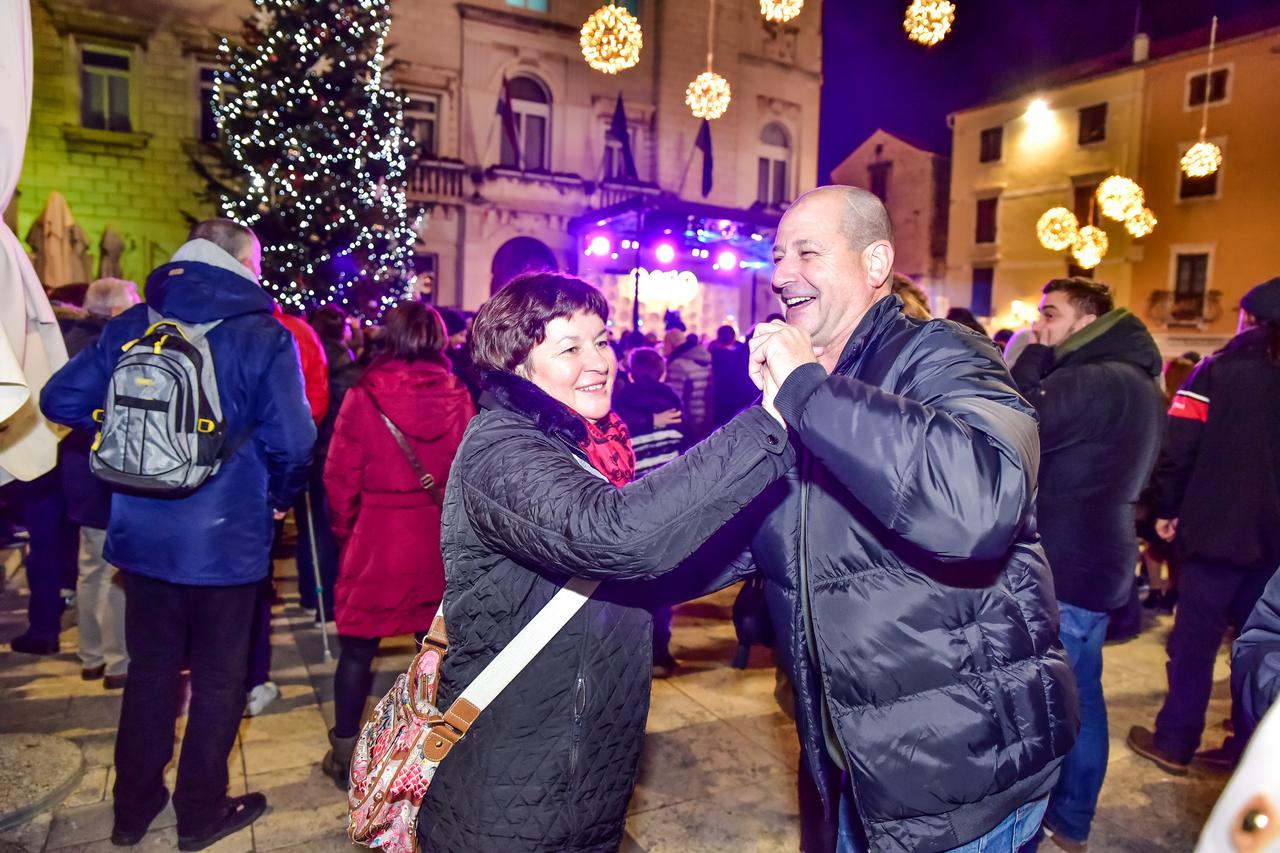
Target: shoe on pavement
[[93, 673], [1058, 841], [115, 682], [1222, 760], [30, 645], [337, 761], [126, 837], [260, 697], [1143, 741], [241, 811]]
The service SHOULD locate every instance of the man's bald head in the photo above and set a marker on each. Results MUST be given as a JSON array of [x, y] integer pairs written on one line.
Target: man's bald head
[[864, 219], [235, 239]]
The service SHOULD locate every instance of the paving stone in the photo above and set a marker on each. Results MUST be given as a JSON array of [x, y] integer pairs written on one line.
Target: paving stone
[[36, 772]]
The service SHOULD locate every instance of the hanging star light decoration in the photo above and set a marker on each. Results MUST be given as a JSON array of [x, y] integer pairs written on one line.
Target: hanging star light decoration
[[929, 21], [1204, 158], [1090, 246], [1201, 160], [708, 95], [611, 39], [1141, 223], [780, 11], [1120, 198], [1057, 229]]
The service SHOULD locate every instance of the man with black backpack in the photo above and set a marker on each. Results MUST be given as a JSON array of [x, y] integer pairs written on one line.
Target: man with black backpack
[[204, 431]]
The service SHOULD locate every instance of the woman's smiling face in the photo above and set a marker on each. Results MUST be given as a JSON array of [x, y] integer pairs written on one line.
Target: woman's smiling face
[[575, 364]]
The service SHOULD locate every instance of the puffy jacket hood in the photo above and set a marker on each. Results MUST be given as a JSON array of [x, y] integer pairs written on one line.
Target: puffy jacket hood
[[197, 292], [1115, 336], [423, 398], [696, 353]]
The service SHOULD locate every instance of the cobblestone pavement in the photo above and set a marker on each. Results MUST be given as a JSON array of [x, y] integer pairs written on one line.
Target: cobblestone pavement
[[717, 774]]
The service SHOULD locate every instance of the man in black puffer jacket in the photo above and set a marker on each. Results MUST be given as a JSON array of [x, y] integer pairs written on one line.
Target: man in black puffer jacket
[[910, 596], [1217, 488], [1091, 373]]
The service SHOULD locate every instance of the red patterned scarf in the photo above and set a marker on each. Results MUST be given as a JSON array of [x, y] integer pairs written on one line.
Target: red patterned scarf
[[608, 449]]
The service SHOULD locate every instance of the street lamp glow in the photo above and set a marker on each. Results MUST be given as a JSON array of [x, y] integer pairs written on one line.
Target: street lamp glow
[[665, 253], [599, 245], [1037, 110], [726, 261]]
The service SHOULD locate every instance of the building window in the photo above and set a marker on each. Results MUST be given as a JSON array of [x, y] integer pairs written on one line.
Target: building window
[[632, 6], [1213, 84], [422, 123], [980, 297], [878, 178], [1190, 283], [774, 166], [1206, 187], [208, 129], [532, 105], [531, 5], [615, 165], [1074, 270], [105, 81], [1093, 124], [991, 148], [1082, 203], [985, 228]]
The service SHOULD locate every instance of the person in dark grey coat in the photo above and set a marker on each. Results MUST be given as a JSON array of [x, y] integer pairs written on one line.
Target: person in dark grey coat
[[551, 763], [1091, 373], [1255, 661], [910, 596]]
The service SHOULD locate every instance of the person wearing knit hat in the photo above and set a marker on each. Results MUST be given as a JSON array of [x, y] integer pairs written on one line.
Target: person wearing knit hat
[[1217, 498], [459, 351], [1261, 303]]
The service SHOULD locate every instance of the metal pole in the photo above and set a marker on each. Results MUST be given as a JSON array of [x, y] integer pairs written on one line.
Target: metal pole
[[315, 570]]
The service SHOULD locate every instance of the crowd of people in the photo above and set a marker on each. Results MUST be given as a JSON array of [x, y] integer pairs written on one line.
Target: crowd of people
[[938, 531]]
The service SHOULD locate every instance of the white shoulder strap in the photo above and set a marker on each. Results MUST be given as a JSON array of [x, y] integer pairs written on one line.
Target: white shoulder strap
[[526, 644]]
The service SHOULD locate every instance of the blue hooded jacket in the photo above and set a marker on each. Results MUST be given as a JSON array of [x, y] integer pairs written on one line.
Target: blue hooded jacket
[[220, 534]]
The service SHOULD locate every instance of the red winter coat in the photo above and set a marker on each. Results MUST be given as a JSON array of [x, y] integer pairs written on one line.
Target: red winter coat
[[315, 366], [391, 575]]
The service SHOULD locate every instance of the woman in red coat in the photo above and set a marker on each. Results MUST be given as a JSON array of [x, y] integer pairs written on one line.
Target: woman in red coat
[[390, 576]]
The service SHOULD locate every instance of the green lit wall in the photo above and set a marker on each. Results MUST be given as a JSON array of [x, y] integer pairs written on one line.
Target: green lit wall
[[142, 182]]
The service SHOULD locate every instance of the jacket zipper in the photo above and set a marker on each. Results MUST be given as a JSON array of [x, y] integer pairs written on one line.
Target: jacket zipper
[[579, 709]]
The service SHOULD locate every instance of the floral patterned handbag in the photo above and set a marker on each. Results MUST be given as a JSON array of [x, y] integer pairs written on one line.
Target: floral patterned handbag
[[408, 736]]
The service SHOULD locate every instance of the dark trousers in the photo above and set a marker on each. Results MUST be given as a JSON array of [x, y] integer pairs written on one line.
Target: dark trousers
[[259, 671], [1209, 598], [662, 635], [326, 545], [167, 625], [352, 680], [51, 553]]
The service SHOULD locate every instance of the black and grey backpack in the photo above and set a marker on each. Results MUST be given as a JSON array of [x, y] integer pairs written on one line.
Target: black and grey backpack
[[161, 431]]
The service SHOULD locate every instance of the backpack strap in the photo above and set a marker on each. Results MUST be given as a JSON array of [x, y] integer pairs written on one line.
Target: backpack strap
[[506, 665], [424, 477]]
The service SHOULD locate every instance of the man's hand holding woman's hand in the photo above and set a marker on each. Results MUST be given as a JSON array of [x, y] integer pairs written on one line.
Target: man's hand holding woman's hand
[[776, 350]]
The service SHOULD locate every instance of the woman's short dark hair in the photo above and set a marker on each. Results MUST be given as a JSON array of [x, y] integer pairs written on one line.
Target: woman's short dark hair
[[514, 320], [414, 331], [330, 322]]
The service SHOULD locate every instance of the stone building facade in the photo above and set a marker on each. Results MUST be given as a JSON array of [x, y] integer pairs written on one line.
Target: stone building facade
[[130, 167]]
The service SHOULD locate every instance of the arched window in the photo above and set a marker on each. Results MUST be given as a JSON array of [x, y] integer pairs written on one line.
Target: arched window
[[773, 185], [531, 103]]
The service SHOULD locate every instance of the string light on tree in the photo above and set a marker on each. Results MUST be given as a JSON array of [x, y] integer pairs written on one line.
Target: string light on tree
[[1090, 246], [611, 39], [708, 96], [315, 145], [1120, 198], [1204, 158], [929, 21], [1057, 229], [780, 11], [1141, 223]]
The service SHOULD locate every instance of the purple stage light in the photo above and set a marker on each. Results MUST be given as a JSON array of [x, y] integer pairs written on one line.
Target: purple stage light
[[665, 253], [599, 245], [727, 261]]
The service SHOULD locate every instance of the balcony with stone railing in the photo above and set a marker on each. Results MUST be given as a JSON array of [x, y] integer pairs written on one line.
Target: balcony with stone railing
[[447, 181]]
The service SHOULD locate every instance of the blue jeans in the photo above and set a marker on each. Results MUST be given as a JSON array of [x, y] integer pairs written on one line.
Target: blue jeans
[[1009, 836], [1074, 799]]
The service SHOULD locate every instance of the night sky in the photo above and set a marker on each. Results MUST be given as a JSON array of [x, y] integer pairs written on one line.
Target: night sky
[[874, 76]]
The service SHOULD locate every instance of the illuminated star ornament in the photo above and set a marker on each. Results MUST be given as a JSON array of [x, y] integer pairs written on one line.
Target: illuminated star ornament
[[1204, 158], [611, 39], [929, 21], [1090, 245], [780, 11], [1141, 223], [1057, 229], [708, 96], [1120, 198]]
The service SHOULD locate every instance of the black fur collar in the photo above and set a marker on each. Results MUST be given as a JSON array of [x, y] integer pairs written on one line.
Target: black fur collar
[[521, 396]]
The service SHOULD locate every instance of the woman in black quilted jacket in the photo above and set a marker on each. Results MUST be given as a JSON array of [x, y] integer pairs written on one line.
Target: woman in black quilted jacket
[[551, 764]]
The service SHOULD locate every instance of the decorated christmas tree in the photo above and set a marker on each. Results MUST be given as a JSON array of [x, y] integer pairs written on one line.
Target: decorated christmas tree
[[313, 142]]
